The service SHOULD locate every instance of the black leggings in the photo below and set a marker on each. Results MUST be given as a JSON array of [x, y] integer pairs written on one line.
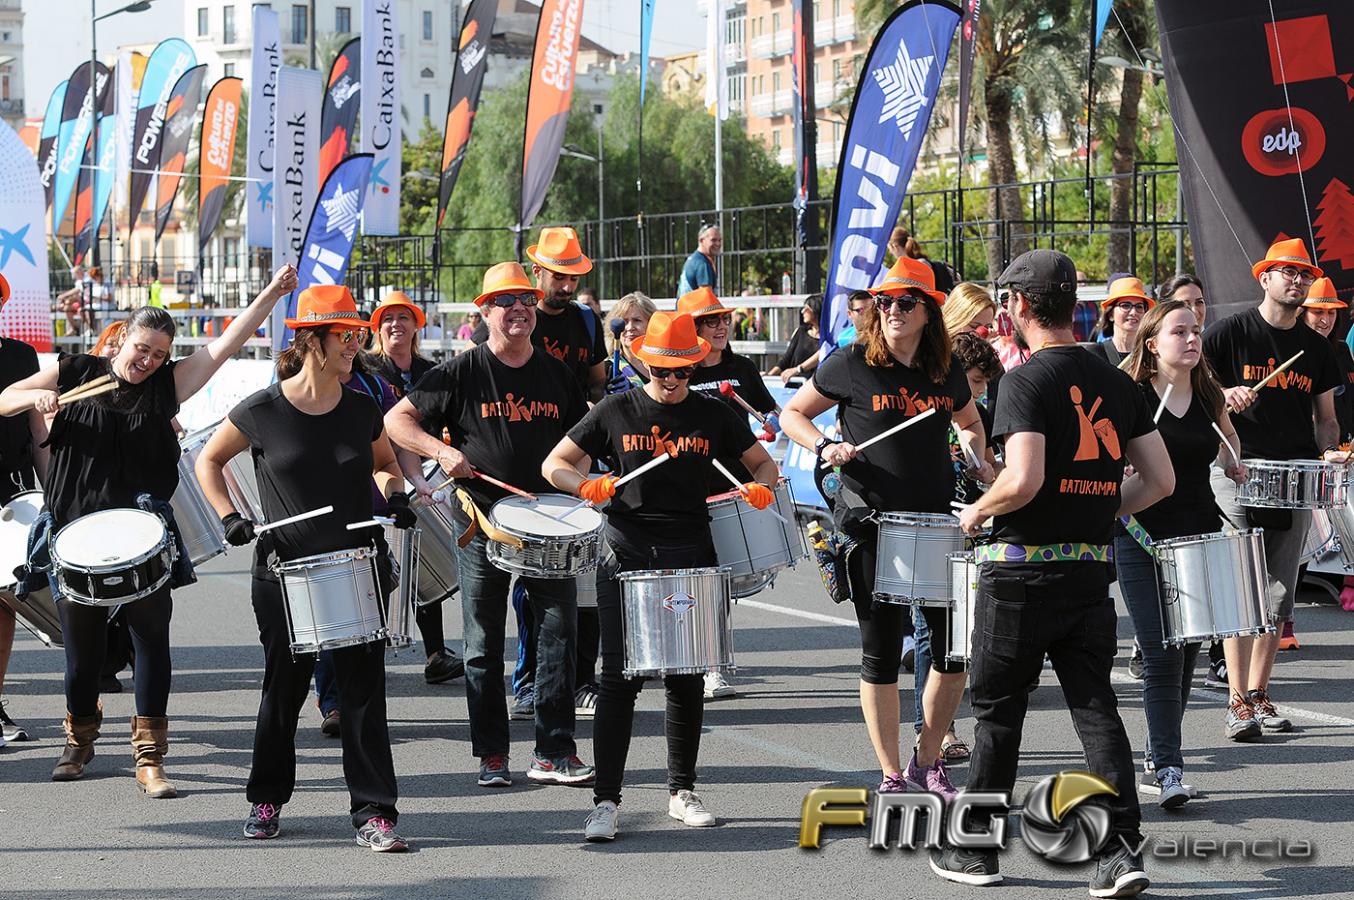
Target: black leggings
[[882, 625], [429, 621], [84, 629], [614, 718]]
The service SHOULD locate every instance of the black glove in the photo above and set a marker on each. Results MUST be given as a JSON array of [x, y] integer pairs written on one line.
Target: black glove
[[239, 530], [397, 508]]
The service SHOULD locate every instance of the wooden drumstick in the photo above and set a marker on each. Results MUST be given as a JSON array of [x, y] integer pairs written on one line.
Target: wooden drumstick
[[1275, 374], [896, 428], [503, 484], [368, 523], [1165, 395], [75, 392], [738, 486], [1226, 443], [86, 395], [670, 452], [322, 511]]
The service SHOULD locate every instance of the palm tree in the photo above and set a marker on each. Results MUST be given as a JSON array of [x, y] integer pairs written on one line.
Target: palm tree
[[1136, 21]]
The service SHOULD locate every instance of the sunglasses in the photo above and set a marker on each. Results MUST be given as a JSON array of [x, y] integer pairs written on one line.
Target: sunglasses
[[906, 302], [681, 373], [1132, 306], [711, 321], [1294, 274], [504, 301], [346, 335]]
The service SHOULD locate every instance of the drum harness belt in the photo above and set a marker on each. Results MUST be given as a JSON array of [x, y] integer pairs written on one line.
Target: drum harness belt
[[480, 522], [1000, 551]]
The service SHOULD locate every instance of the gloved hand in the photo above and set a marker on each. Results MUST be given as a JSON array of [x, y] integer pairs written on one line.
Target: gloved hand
[[397, 508], [772, 423], [598, 490], [619, 385], [758, 495], [239, 530]]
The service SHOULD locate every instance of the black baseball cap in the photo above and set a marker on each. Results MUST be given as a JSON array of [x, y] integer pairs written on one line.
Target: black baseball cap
[[1044, 271]]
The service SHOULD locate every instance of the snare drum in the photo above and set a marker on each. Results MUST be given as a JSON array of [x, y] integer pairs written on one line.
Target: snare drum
[[752, 543], [242, 483], [16, 521], [404, 544], [964, 597], [332, 600], [199, 525], [553, 545], [437, 549], [112, 557], [676, 621], [1294, 484], [1212, 587], [912, 562], [1321, 540]]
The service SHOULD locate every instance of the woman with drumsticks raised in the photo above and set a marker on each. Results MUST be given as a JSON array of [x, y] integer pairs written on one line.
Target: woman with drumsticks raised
[[658, 520], [110, 443], [899, 369], [1166, 360], [315, 444]]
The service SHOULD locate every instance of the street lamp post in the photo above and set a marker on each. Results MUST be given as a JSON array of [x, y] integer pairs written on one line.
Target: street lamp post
[[574, 151]]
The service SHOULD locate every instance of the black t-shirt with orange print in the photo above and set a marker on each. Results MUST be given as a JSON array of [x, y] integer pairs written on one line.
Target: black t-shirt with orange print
[[565, 336], [504, 419], [1088, 411], [667, 503], [1244, 349]]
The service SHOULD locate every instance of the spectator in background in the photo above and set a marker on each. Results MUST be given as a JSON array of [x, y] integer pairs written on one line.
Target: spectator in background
[[70, 302], [969, 308], [1086, 316], [740, 324], [472, 321], [1123, 309], [902, 243], [588, 297], [1187, 288], [98, 299], [699, 270], [801, 356]]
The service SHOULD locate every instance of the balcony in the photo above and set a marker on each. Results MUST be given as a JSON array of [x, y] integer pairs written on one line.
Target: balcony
[[834, 31], [769, 46]]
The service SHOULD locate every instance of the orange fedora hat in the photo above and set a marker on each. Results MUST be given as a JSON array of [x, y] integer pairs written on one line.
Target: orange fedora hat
[[670, 342], [558, 250], [327, 304], [1321, 295], [507, 278], [700, 302], [4, 289], [910, 274], [398, 299], [1292, 252], [1127, 287]]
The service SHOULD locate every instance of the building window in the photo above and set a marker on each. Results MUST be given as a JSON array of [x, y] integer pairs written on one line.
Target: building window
[[427, 25], [836, 9], [427, 74], [775, 21], [300, 23], [228, 25], [231, 252], [737, 86], [775, 138], [228, 69], [202, 14], [343, 19], [775, 81], [427, 106], [836, 70]]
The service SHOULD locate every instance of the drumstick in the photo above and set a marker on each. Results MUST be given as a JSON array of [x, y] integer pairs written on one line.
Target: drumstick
[[895, 429], [322, 511], [82, 388], [1165, 395], [86, 395], [1226, 443], [738, 486], [1275, 374], [656, 461], [503, 484], [368, 523], [968, 452], [726, 389]]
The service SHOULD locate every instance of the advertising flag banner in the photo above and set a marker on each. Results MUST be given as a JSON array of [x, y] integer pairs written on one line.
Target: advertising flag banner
[[51, 123], [338, 118], [646, 8], [216, 154], [27, 316], [95, 186], [77, 120], [296, 169], [126, 82], [716, 85], [168, 61], [968, 42], [266, 60], [551, 91], [1103, 8], [472, 57], [800, 116], [180, 114], [889, 116], [381, 135]]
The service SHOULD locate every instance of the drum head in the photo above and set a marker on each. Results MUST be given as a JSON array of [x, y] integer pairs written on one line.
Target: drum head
[[545, 517], [19, 515], [112, 536]]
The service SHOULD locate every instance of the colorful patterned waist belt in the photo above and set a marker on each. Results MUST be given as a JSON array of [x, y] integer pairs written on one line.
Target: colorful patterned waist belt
[[1025, 553]]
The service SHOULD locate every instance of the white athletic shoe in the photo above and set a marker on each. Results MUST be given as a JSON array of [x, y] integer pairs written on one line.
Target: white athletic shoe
[[687, 808], [717, 687], [602, 822]]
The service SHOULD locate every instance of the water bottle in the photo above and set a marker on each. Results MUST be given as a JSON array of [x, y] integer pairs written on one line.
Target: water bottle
[[786, 286]]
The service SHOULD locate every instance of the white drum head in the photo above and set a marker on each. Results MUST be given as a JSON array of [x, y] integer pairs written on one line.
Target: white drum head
[[545, 517], [15, 521], [112, 536]]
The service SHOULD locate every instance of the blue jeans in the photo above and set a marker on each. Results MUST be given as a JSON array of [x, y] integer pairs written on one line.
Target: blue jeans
[[921, 636], [326, 683], [484, 606], [1166, 670]]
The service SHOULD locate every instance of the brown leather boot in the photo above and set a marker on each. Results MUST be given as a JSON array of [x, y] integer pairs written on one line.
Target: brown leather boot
[[81, 733], [150, 743]]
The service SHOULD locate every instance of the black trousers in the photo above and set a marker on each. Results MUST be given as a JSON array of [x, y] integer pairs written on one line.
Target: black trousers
[[429, 621], [84, 630], [368, 768], [614, 718], [1062, 609]]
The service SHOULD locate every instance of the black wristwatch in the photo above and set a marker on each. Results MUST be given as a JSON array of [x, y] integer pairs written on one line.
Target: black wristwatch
[[822, 444]]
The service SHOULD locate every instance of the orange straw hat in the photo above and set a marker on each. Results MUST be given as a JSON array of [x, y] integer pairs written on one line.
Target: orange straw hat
[[1292, 252], [700, 302], [670, 342], [4, 289], [910, 274], [326, 304], [1321, 295], [507, 278], [1126, 288], [558, 250], [394, 299]]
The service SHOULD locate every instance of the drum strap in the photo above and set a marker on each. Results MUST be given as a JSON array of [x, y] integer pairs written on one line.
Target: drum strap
[[1137, 532], [1022, 553], [480, 522]]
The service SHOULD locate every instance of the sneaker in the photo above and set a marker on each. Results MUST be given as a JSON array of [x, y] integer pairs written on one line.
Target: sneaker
[[602, 823], [10, 731], [963, 866], [330, 726], [1136, 665], [524, 707], [909, 653], [264, 821], [494, 772], [1241, 724], [1347, 598], [379, 834], [1287, 639], [686, 807], [1171, 786], [1265, 713], [442, 667], [894, 783], [564, 770], [1216, 676], [929, 778], [1148, 784], [585, 700], [717, 687], [1118, 873]]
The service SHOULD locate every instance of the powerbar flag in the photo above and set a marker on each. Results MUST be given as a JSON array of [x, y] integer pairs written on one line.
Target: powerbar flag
[[1103, 8], [267, 59], [296, 169], [27, 316], [889, 116], [800, 115], [51, 123], [180, 114], [1263, 114], [216, 154], [341, 102], [551, 92], [467, 78], [167, 63], [95, 185], [968, 42], [127, 81], [381, 116], [77, 120]]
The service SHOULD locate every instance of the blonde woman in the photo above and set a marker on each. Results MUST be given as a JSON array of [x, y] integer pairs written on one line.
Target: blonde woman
[[624, 370], [969, 308]]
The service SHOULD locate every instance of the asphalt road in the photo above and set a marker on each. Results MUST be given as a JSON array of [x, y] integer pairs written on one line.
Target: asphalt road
[[795, 725]]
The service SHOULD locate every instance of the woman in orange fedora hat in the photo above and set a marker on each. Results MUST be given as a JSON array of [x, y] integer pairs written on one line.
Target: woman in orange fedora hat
[[118, 450], [899, 367], [315, 444], [657, 521], [1121, 313]]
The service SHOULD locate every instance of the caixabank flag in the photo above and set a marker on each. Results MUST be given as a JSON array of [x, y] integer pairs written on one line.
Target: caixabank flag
[[27, 315]]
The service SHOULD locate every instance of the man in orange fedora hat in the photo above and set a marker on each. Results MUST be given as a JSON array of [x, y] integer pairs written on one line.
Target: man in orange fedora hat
[[1292, 418], [505, 403]]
